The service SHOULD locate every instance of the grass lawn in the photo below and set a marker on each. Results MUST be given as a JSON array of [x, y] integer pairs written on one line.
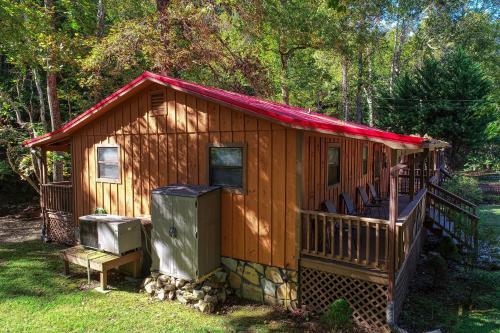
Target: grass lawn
[[34, 297], [463, 302]]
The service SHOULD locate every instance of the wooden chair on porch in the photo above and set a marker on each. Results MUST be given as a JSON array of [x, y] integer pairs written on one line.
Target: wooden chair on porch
[[348, 204], [328, 207], [375, 196], [366, 201]]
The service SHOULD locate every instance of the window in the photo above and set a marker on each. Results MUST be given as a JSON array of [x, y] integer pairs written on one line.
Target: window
[[333, 165], [226, 166], [365, 159], [108, 163]]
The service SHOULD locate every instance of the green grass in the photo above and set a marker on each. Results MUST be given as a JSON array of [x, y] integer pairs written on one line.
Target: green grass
[[34, 297], [490, 217]]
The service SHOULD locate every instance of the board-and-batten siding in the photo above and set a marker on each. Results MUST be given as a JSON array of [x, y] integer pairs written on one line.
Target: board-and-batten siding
[[315, 185], [259, 226]]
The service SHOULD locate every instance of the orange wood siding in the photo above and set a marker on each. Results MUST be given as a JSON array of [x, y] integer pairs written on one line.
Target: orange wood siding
[[259, 225], [315, 185]]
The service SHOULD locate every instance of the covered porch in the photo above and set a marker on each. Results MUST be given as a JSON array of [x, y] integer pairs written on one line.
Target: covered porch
[[56, 200], [369, 259]]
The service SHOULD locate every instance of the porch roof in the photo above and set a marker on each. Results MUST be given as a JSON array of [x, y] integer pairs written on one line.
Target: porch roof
[[290, 116]]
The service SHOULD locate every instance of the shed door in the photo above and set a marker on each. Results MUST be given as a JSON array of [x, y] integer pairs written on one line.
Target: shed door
[[184, 242], [162, 218]]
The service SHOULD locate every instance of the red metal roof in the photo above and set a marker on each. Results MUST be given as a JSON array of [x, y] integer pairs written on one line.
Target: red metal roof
[[288, 115]]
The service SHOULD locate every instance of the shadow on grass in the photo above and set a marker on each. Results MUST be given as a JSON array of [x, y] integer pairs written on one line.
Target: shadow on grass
[[251, 317], [34, 269]]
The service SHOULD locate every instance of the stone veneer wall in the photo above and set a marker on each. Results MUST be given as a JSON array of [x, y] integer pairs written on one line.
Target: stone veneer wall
[[261, 283]]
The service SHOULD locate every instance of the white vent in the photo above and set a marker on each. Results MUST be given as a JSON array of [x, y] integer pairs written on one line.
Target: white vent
[[157, 102]]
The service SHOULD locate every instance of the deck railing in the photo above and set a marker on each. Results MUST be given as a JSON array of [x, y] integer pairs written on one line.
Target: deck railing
[[452, 198], [352, 239], [458, 220], [57, 197], [359, 240], [409, 224]]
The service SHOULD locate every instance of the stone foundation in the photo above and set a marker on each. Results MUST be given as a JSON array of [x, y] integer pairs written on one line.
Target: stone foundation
[[261, 283]]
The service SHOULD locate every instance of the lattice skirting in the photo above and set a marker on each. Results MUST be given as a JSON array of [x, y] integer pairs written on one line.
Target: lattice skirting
[[60, 227], [367, 299]]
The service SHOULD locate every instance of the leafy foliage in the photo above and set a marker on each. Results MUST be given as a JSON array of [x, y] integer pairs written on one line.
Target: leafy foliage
[[339, 315], [445, 98], [466, 187], [438, 268], [447, 248], [338, 57]]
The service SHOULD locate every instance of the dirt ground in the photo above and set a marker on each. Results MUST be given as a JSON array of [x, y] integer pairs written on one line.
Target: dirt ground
[[21, 227]]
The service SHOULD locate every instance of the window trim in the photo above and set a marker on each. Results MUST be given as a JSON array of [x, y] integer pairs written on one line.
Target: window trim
[[243, 146], [364, 172], [334, 145], [108, 180]]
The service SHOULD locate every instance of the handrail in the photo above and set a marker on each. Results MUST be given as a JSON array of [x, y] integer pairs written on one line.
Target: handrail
[[411, 206], [459, 198], [456, 221], [349, 217], [452, 205]]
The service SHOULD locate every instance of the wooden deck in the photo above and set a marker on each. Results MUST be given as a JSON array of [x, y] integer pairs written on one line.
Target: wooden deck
[[361, 242]]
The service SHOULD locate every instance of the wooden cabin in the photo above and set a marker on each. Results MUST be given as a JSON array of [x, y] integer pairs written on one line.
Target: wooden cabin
[[277, 165]]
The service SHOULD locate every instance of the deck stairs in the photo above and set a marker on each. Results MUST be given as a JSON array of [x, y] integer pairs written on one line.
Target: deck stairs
[[453, 216]]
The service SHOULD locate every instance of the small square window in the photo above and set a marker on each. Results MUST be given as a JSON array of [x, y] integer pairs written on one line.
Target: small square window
[[333, 165], [226, 166], [108, 163], [365, 159]]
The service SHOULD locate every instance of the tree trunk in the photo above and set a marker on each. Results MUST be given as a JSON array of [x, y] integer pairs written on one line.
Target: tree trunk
[[162, 7], [53, 101], [359, 104], [285, 90], [41, 100], [399, 41], [345, 87], [101, 15], [368, 90]]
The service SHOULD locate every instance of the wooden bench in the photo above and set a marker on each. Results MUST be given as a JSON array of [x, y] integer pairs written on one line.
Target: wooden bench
[[99, 261]]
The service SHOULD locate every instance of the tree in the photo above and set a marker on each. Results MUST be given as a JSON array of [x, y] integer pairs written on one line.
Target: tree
[[446, 99]]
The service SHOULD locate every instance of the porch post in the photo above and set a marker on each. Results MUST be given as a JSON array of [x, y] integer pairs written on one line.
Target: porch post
[[411, 185], [393, 216], [428, 159], [43, 180], [422, 165]]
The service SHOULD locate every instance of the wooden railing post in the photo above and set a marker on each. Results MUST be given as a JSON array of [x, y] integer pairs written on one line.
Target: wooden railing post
[[393, 215], [411, 184]]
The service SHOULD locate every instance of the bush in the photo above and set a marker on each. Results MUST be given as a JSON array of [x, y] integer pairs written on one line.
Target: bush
[[339, 315], [447, 248], [438, 267], [466, 187], [100, 210]]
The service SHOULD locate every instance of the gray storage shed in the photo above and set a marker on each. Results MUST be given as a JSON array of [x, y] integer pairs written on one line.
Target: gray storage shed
[[186, 230]]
